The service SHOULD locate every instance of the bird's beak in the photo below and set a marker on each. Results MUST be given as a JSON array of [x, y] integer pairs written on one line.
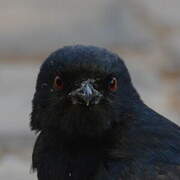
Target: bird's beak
[[86, 94]]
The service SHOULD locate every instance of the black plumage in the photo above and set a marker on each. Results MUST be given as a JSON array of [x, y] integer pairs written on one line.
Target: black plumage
[[93, 125]]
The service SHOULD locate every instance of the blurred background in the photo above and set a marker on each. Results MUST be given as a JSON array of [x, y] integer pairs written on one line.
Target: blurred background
[[146, 34]]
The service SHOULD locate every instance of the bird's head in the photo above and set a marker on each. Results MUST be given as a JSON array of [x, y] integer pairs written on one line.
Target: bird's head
[[82, 90]]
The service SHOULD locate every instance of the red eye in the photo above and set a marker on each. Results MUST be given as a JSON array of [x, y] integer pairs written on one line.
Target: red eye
[[58, 83], [113, 84]]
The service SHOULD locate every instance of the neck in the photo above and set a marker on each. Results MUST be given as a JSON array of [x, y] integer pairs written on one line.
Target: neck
[[79, 158]]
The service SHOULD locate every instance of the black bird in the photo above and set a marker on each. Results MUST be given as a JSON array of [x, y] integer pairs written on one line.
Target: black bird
[[93, 125]]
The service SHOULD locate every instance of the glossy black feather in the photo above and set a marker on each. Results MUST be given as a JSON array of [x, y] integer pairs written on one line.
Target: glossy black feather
[[118, 139]]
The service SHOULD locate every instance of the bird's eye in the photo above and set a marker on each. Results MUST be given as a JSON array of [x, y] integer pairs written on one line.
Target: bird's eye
[[58, 83], [113, 85]]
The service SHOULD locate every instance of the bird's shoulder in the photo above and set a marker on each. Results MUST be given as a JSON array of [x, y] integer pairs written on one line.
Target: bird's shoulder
[[136, 170], [149, 149]]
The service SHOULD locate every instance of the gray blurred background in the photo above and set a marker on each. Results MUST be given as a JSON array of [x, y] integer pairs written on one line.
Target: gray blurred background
[[146, 34]]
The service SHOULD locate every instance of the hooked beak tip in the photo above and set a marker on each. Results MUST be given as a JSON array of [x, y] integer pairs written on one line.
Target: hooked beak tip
[[87, 103], [86, 95]]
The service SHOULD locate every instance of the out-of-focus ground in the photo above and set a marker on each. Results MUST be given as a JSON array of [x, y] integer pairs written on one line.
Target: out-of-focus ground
[[146, 34]]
